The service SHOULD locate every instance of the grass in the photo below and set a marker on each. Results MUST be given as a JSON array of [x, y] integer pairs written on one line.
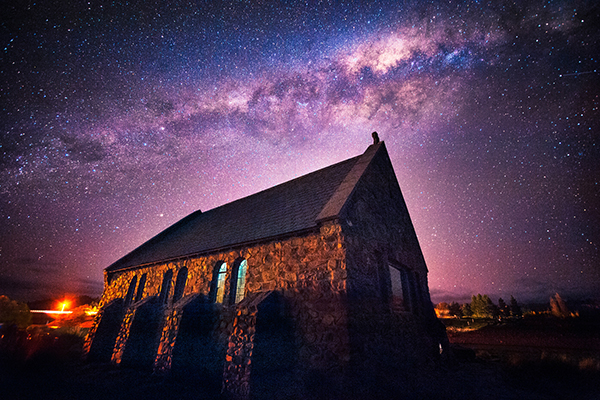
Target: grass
[[52, 368]]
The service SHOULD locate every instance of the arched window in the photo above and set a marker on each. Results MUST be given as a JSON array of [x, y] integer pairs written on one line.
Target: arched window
[[180, 284], [130, 291], [217, 291], [166, 287], [238, 282], [140, 289]]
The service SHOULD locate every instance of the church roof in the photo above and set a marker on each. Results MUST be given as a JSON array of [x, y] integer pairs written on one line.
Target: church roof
[[294, 206]]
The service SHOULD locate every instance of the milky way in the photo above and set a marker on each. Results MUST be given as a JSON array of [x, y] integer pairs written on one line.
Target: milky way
[[120, 118]]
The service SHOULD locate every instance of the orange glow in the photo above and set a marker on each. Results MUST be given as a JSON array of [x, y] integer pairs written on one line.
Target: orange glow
[[91, 312], [64, 305]]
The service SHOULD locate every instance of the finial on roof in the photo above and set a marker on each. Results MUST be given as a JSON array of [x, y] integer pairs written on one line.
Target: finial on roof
[[375, 137]]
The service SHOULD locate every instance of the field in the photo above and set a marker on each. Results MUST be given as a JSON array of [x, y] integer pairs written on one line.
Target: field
[[532, 358], [544, 357]]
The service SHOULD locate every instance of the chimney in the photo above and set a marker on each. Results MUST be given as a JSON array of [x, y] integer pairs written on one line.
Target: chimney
[[375, 137]]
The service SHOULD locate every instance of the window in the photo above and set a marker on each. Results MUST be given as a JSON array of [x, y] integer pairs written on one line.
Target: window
[[406, 294], [140, 290], [237, 291], [398, 297], [416, 292], [407, 289], [180, 284], [218, 284], [130, 291], [166, 287]]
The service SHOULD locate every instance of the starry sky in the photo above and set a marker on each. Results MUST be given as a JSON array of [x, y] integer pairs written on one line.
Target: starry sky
[[119, 118]]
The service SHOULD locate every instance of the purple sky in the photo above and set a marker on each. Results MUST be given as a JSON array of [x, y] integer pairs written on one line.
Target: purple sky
[[118, 120]]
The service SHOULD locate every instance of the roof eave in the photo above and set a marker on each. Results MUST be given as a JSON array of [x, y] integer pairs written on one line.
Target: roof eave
[[221, 249]]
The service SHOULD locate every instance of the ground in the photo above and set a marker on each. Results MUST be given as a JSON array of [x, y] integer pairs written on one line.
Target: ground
[[527, 359]]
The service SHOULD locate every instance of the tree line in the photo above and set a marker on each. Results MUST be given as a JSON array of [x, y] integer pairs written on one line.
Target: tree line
[[481, 306]]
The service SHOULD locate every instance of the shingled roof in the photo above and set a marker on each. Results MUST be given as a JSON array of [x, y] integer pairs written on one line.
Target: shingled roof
[[294, 206]]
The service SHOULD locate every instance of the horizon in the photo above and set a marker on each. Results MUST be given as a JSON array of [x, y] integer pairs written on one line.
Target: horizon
[[461, 299]]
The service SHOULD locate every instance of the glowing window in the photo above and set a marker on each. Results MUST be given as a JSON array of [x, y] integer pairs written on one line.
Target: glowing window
[[241, 281], [222, 274]]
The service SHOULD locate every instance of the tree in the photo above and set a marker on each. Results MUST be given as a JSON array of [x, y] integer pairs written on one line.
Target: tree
[[515, 308], [502, 307], [558, 307], [466, 311], [489, 309], [442, 310], [14, 312], [454, 309], [476, 305], [482, 306]]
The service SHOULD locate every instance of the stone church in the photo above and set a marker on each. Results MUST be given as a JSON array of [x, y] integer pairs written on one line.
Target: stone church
[[316, 281]]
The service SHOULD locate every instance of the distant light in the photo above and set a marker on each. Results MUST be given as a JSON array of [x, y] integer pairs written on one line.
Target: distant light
[[50, 312], [64, 305]]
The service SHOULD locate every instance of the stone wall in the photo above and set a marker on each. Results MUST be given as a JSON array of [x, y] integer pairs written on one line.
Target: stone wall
[[309, 272], [288, 264], [379, 233]]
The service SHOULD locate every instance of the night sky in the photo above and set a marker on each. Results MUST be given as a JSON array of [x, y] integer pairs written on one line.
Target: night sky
[[119, 118]]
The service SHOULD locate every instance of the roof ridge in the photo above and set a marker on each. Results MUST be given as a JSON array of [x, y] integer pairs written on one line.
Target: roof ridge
[[282, 184], [339, 198]]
